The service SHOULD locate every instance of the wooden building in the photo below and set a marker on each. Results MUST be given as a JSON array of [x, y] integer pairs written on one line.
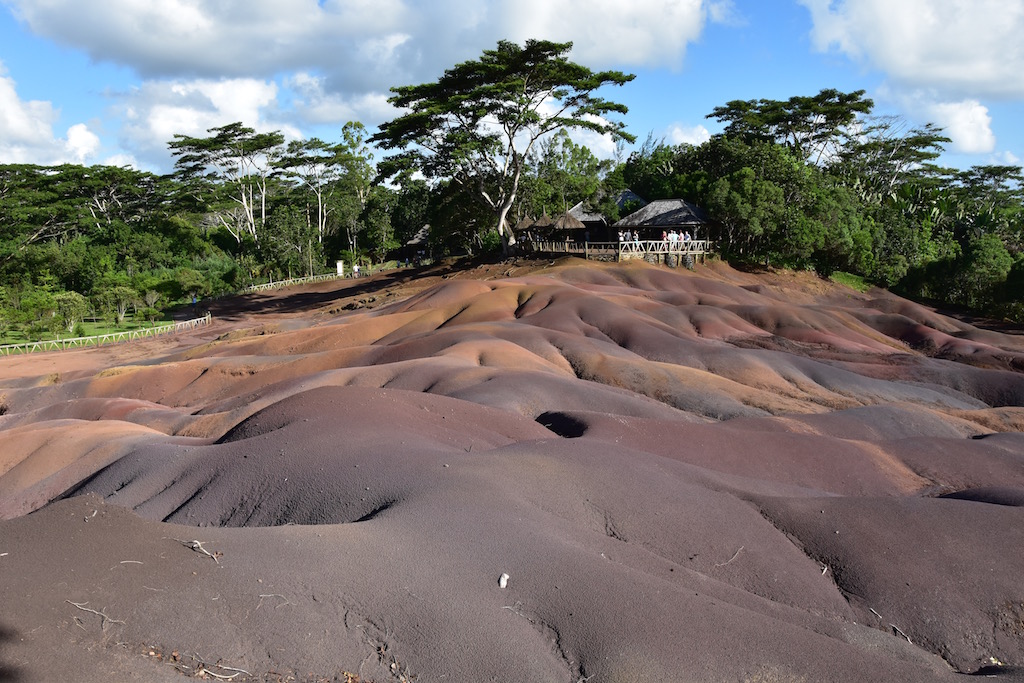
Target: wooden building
[[664, 215]]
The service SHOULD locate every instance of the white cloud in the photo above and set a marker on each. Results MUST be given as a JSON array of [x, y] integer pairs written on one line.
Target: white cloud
[[725, 12], [121, 160], [690, 135], [82, 143], [26, 131], [642, 32], [310, 63], [23, 122], [153, 113], [967, 123], [360, 44], [203, 38], [314, 104], [1005, 159], [960, 48]]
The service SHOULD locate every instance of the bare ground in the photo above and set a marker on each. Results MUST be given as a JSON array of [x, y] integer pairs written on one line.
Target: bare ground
[[685, 476]]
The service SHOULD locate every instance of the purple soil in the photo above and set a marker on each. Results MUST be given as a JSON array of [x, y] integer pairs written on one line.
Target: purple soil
[[709, 476]]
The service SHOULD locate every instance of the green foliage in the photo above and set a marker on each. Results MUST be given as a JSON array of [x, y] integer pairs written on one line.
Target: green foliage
[[651, 171], [809, 182], [410, 208], [852, 281], [812, 128], [467, 220], [113, 302], [984, 268], [478, 124], [560, 174], [191, 283], [379, 231], [490, 243], [149, 314], [239, 162], [70, 310]]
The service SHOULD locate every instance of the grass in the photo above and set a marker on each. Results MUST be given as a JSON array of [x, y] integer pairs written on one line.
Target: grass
[[91, 329], [850, 280]]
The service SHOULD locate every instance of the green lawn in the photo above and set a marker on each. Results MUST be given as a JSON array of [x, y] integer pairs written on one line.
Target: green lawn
[[91, 329], [852, 281]]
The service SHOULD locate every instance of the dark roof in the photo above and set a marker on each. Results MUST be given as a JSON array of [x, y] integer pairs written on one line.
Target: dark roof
[[586, 214], [665, 213], [628, 195], [420, 237], [584, 211]]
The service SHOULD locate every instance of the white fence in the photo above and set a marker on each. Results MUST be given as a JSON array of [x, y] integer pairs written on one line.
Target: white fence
[[626, 249], [98, 340], [291, 281]]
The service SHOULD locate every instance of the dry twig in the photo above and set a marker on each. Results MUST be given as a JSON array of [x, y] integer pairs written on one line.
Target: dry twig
[[273, 595], [897, 629], [198, 547], [731, 558], [104, 618]]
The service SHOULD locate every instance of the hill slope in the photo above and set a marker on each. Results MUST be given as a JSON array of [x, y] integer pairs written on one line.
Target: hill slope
[[686, 476]]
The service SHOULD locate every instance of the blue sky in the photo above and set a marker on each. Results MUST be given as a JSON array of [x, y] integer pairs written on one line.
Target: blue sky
[[110, 81]]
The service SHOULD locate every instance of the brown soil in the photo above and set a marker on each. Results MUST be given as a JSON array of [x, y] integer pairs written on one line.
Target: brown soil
[[686, 476]]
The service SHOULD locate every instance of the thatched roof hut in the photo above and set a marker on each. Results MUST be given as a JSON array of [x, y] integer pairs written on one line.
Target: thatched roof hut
[[524, 224], [568, 222], [543, 223]]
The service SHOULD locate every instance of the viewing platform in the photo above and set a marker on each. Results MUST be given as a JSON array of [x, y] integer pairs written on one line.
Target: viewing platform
[[652, 251]]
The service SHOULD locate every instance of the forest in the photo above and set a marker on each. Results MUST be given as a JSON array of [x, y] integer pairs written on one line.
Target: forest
[[815, 182]]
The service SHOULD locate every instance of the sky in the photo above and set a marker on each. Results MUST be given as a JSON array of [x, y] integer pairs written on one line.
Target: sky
[[112, 81]]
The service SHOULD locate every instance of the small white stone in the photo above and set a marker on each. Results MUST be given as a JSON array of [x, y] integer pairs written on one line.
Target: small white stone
[[503, 580]]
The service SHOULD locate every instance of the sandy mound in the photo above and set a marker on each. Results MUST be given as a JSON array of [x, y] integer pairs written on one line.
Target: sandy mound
[[686, 476]]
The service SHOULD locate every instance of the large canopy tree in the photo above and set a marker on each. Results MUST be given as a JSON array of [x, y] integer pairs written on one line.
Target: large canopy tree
[[478, 123], [812, 127]]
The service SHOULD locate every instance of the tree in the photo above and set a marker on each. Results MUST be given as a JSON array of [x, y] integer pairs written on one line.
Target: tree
[[71, 309], [409, 210], [292, 244], [479, 122], [240, 158], [811, 127], [354, 183], [649, 170], [885, 153], [994, 200], [380, 233], [115, 301], [566, 173]]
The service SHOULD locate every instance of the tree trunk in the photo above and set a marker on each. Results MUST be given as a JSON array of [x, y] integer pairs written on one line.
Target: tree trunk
[[508, 240]]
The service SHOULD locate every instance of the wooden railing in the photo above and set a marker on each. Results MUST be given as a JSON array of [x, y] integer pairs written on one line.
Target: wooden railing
[[624, 250], [98, 340], [291, 281]]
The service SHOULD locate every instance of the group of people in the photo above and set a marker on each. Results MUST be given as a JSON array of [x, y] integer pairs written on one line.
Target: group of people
[[673, 238], [670, 240]]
